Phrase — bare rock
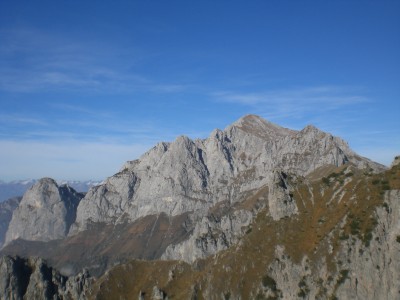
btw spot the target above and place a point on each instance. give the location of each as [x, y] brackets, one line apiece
[45, 213]
[280, 199]
[32, 278]
[188, 175]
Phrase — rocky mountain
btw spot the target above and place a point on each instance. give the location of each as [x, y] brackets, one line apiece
[45, 213]
[17, 188]
[253, 211]
[188, 175]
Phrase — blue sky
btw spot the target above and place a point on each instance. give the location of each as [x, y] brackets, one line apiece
[87, 85]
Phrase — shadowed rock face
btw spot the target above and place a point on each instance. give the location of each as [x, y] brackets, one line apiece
[45, 213]
[6, 210]
[33, 279]
[101, 246]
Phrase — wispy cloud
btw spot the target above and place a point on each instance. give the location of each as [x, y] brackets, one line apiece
[20, 119]
[32, 60]
[62, 122]
[294, 102]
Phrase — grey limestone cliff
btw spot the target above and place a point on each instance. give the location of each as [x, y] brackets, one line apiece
[188, 175]
[45, 213]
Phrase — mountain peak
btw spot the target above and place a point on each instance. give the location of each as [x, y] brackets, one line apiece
[260, 127]
[252, 119]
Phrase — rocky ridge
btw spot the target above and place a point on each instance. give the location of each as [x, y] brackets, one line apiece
[229, 166]
[194, 177]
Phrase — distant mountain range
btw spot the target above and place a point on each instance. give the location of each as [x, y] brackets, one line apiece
[17, 188]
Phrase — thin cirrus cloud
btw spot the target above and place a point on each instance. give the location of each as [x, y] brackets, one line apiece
[32, 60]
[59, 121]
[294, 102]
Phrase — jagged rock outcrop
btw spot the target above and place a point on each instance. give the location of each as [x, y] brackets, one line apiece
[6, 210]
[45, 213]
[210, 235]
[188, 175]
[33, 279]
[280, 201]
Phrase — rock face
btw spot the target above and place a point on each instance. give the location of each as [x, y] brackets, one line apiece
[45, 213]
[188, 175]
[33, 279]
[374, 271]
[193, 176]
[6, 210]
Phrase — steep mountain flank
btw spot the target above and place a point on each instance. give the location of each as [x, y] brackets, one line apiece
[45, 213]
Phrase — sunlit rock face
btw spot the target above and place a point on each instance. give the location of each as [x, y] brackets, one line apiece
[192, 175]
